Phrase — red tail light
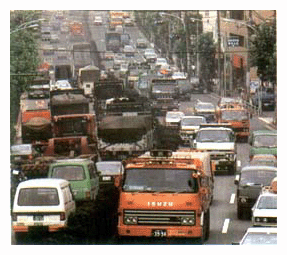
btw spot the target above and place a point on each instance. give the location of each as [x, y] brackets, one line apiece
[62, 216]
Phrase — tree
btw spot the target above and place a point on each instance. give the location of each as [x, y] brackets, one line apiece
[207, 51]
[263, 51]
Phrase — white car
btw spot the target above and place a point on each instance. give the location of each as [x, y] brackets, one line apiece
[149, 51]
[129, 50]
[173, 117]
[160, 62]
[98, 20]
[259, 236]
[264, 211]
[45, 203]
[178, 76]
[63, 84]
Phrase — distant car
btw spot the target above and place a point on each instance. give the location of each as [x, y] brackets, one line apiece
[54, 38]
[98, 20]
[264, 212]
[174, 118]
[149, 51]
[267, 99]
[151, 58]
[119, 29]
[249, 182]
[63, 84]
[160, 61]
[109, 55]
[259, 236]
[141, 43]
[129, 22]
[109, 171]
[206, 110]
[189, 126]
[124, 69]
[178, 75]
[129, 50]
[263, 160]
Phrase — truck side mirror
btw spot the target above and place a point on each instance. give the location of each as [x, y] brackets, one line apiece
[118, 181]
[236, 180]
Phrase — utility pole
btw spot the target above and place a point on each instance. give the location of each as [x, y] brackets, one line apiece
[219, 52]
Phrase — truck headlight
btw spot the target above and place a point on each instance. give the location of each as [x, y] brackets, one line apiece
[130, 220]
[187, 221]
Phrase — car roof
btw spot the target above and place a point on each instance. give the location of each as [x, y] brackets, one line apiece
[249, 167]
[72, 160]
[108, 162]
[43, 182]
[261, 230]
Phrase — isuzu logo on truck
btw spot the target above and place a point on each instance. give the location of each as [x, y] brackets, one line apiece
[160, 203]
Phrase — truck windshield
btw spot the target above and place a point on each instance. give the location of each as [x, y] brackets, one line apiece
[265, 141]
[234, 115]
[38, 197]
[214, 136]
[159, 180]
[69, 173]
[257, 177]
[192, 121]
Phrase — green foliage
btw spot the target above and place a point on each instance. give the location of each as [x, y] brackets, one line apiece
[207, 51]
[263, 51]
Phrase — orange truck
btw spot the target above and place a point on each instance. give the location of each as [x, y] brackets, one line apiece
[238, 117]
[166, 194]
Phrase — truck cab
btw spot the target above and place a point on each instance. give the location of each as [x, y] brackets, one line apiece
[166, 194]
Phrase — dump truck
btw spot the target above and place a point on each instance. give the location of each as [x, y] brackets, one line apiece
[74, 128]
[88, 76]
[113, 41]
[35, 114]
[165, 194]
[126, 129]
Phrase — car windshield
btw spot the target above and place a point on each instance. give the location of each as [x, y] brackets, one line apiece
[38, 197]
[257, 177]
[214, 136]
[160, 180]
[265, 141]
[69, 173]
[260, 238]
[234, 115]
[173, 115]
[267, 202]
[205, 107]
[109, 167]
[192, 121]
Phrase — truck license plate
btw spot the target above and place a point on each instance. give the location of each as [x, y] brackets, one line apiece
[159, 233]
[38, 218]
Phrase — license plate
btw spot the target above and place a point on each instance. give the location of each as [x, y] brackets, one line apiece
[107, 178]
[159, 233]
[38, 218]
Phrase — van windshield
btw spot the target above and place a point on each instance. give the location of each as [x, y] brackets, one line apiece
[69, 173]
[160, 180]
[38, 197]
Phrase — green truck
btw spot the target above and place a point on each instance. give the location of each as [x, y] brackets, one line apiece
[263, 142]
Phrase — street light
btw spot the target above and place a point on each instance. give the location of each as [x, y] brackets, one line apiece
[186, 38]
[24, 25]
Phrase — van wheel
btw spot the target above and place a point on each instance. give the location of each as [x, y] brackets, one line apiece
[206, 225]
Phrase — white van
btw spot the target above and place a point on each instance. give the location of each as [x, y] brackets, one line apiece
[43, 203]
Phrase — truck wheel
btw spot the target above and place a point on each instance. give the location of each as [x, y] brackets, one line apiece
[232, 169]
[240, 212]
[207, 225]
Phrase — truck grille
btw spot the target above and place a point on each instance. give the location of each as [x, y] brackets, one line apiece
[151, 217]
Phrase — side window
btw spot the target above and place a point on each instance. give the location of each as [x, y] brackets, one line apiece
[92, 171]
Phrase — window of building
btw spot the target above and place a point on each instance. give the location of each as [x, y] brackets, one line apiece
[240, 37]
[239, 15]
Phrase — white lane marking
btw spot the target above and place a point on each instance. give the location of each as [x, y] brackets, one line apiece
[232, 198]
[225, 226]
